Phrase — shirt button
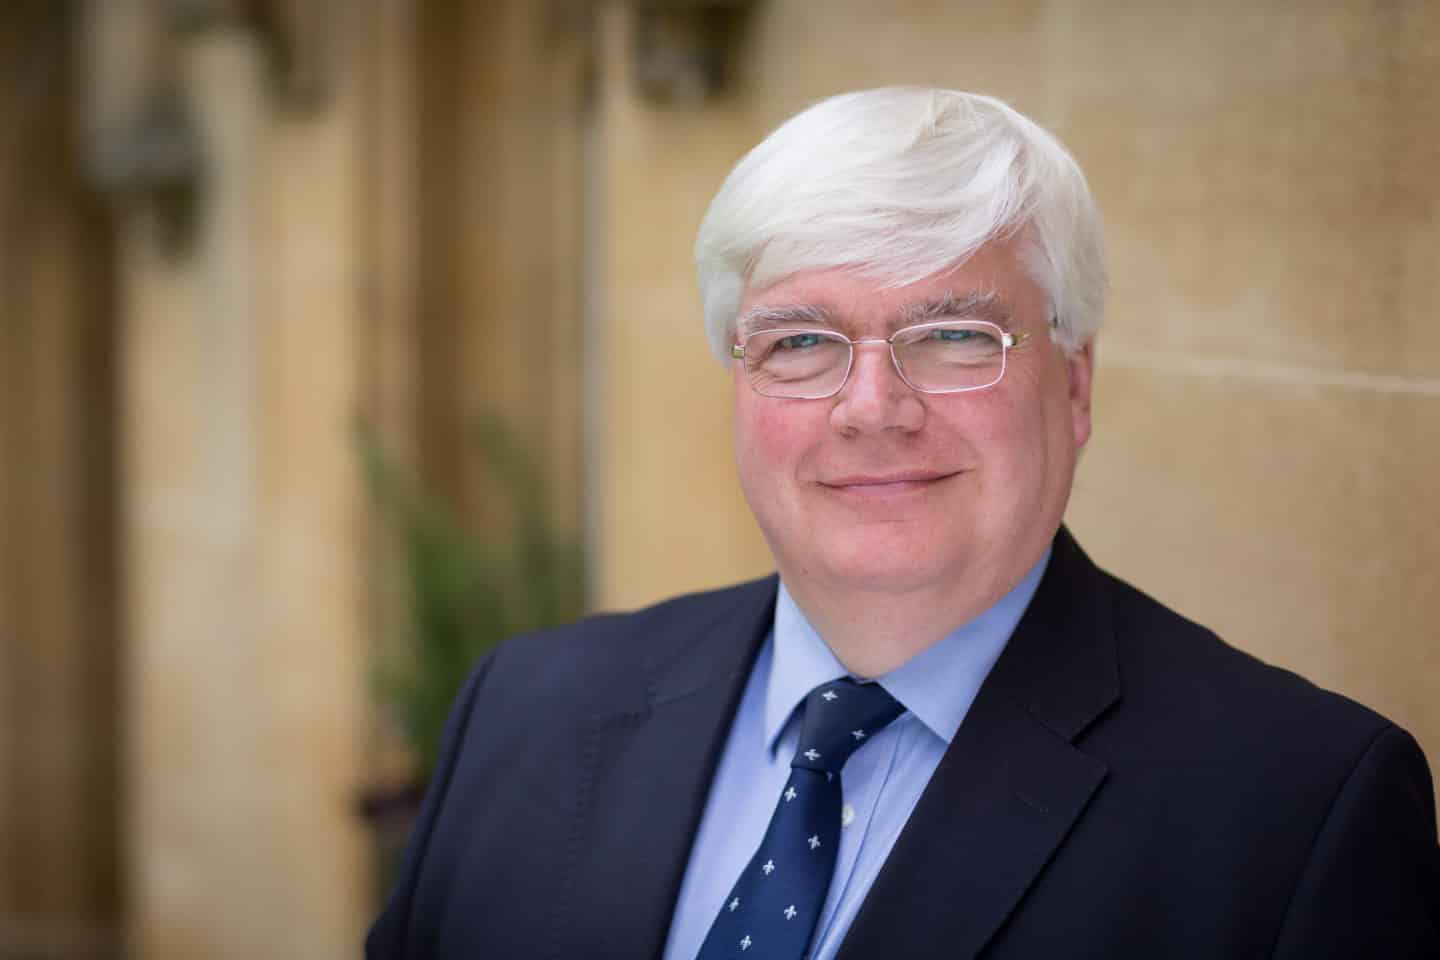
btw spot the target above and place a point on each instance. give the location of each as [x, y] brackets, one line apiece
[847, 815]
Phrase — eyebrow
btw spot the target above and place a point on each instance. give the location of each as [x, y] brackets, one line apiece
[980, 305]
[775, 318]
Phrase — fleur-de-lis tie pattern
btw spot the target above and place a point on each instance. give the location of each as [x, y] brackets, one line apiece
[772, 911]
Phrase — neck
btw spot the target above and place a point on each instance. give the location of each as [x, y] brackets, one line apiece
[873, 632]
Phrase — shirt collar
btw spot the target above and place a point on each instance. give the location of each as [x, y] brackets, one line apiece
[801, 662]
[937, 685]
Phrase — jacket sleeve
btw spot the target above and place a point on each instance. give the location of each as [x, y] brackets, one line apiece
[389, 937]
[1371, 885]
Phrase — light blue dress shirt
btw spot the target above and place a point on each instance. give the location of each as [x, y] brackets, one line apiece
[882, 781]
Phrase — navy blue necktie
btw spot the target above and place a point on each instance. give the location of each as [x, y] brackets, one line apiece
[772, 911]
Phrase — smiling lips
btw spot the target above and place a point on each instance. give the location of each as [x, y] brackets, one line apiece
[887, 484]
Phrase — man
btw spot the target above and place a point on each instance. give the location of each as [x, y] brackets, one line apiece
[942, 732]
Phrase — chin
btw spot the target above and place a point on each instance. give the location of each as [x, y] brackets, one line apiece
[889, 569]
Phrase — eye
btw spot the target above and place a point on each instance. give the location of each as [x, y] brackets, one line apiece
[953, 339]
[798, 341]
[954, 334]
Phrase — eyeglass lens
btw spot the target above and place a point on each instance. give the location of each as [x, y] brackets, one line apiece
[946, 357]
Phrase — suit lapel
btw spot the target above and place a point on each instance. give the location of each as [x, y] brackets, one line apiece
[1011, 785]
[648, 772]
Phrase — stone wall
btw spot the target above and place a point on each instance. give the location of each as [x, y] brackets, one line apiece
[60, 654]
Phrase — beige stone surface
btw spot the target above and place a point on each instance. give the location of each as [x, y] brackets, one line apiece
[496, 331]
[246, 678]
[407, 249]
[1286, 199]
[671, 516]
[59, 887]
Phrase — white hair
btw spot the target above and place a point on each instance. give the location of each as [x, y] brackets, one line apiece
[901, 183]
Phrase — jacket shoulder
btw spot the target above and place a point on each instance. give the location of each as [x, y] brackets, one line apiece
[1189, 680]
[563, 662]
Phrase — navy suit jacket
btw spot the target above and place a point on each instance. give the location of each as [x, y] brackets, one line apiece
[1125, 785]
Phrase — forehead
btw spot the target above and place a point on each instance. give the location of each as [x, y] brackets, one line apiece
[990, 285]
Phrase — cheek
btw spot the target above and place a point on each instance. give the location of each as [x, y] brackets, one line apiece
[1012, 432]
[1043, 409]
[775, 434]
[762, 439]
[769, 435]
[978, 426]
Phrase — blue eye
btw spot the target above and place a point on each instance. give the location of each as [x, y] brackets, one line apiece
[953, 334]
[798, 341]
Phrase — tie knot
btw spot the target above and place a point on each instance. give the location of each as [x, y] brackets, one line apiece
[839, 717]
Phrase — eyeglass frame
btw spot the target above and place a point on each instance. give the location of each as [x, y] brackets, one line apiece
[1008, 342]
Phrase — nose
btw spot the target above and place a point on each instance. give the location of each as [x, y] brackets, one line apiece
[874, 397]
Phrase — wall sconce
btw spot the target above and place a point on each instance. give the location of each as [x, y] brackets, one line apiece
[139, 141]
[682, 49]
[293, 33]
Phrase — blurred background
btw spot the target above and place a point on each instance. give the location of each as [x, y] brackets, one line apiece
[339, 336]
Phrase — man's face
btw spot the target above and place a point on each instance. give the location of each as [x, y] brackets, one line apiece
[884, 489]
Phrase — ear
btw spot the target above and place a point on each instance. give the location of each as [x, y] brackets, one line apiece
[1081, 365]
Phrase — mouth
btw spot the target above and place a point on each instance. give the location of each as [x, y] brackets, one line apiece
[888, 484]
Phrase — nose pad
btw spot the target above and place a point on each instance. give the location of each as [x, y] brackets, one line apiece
[874, 362]
[875, 396]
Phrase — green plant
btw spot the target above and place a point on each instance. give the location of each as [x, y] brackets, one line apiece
[465, 591]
